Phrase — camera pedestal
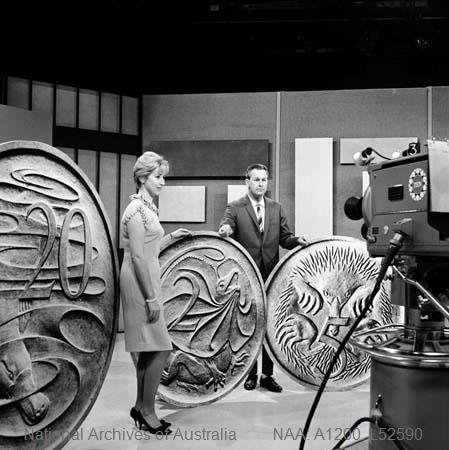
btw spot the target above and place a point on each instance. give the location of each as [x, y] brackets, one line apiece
[414, 402]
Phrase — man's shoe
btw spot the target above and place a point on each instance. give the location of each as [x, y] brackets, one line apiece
[250, 383]
[270, 384]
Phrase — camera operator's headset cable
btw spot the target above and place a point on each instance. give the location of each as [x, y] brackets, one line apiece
[395, 246]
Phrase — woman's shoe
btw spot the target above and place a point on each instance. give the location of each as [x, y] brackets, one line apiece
[143, 424]
[164, 422]
[134, 415]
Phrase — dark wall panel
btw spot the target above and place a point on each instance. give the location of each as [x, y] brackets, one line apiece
[211, 159]
[96, 140]
[348, 114]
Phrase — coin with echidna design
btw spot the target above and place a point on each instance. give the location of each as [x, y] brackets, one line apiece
[314, 295]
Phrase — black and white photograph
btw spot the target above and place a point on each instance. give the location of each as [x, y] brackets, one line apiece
[224, 225]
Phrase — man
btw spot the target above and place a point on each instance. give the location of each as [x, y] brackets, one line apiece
[260, 225]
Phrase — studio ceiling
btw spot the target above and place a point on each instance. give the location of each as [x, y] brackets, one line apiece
[230, 46]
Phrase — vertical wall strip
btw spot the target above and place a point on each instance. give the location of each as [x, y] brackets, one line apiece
[429, 113]
[99, 110]
[140, 124]
[119, 178]
[4, 89]
[97, 168]
[97, 153]
[77, 119]
[277, 148]
[54, 105]
[30, 94]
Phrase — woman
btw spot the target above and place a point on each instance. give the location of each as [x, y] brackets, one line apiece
[144, 325]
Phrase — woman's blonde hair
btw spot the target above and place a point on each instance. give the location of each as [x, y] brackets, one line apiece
[146, 163]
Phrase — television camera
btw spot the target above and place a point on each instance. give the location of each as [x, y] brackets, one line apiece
[407, 205]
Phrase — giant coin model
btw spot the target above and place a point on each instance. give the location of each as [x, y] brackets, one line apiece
[214, 305]
[58, 296]
[314, 295]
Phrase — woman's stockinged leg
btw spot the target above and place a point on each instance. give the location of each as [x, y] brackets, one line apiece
[155, 364]
[140, 372]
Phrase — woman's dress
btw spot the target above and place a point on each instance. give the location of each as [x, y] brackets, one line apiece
[140, 335]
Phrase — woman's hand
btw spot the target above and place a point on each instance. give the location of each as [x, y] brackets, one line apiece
[153, 310]
[180, 233]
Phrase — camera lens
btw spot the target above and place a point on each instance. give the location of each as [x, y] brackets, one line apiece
[353, 208]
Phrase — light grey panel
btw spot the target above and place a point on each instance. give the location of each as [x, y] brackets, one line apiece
[127, 186]
[88, 104]
[110, 112]
[65, 106]
[42, 97]
[18, 92]
[216, 201]
[313, 187]
[438, 169]
[236, 191]
[87, 160]
[182, 204]
[130, 115]
[440, 112]
[108, 187]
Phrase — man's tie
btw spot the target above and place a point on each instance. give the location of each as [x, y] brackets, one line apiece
[259, 217]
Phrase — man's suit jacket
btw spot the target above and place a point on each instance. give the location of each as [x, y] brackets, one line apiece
[263, 248]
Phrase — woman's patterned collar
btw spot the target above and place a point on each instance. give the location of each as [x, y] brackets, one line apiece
[146, 199]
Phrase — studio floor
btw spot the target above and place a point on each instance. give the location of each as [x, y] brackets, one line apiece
[243, 420]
